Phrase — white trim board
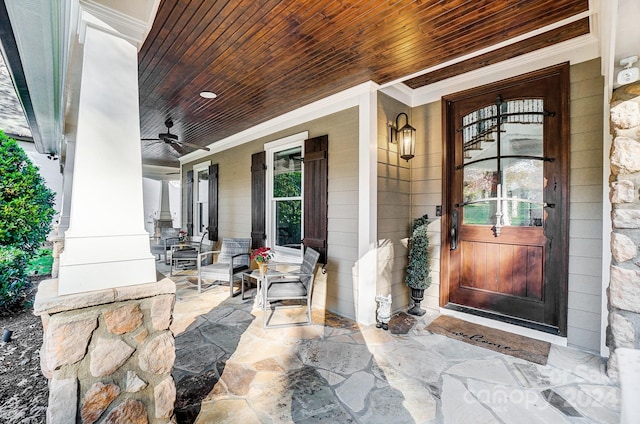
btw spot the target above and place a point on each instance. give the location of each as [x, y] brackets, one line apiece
[515, 329]
[281, 142]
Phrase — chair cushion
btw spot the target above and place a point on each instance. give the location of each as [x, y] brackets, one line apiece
[186, 253]
[285, 290]
[218, 271]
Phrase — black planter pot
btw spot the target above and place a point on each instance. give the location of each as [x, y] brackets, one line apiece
[417, 295]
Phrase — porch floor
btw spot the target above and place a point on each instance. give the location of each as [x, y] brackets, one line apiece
[229, 369]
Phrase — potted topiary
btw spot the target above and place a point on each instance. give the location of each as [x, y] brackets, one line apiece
[418, 271]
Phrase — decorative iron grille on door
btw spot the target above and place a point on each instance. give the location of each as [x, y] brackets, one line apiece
[503, 155]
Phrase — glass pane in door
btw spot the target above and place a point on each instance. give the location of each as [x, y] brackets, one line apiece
[522, 191]
[479, 191]
[522, 164]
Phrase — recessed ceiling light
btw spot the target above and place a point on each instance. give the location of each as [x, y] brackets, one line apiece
[208, 95]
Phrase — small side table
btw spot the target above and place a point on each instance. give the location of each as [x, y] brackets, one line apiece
[250, 275]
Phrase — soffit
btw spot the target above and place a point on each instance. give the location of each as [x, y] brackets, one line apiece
[267, 58]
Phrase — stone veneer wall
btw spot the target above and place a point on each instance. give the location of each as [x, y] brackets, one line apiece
[108, 354]
[624, 286]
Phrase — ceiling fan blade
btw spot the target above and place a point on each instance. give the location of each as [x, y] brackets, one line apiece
[195, 146]
[177, 148]
[172, 139]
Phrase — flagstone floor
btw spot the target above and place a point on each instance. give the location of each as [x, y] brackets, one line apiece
[229, 369]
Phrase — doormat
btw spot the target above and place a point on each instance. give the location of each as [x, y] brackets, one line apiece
[497, 340]
[401, 323]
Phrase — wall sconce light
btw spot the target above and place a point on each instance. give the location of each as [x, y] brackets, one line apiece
[405, 137]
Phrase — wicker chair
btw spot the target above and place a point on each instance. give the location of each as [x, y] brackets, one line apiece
[227, 264]
[185, 253]
[296, 285]
[160, 245]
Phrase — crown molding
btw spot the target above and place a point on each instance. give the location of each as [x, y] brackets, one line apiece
[96, 15]
[401, 92]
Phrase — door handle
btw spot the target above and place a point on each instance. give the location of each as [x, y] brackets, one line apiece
[453, 231]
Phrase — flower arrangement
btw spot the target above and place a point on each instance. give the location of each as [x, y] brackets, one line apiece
[182, 235]
[262, 255]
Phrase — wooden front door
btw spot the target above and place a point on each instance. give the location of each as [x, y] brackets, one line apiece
[505, 237]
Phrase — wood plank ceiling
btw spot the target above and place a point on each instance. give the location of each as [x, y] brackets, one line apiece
[265, 58]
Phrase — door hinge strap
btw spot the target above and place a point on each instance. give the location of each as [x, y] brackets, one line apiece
[545, 159]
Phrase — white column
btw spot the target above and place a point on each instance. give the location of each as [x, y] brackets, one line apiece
[368, 209]
[106, 244]
[164, 220]
[165, 209]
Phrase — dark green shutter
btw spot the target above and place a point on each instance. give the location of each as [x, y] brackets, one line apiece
[189, 188]
[316, 172]
[213, 202]
[258, 194]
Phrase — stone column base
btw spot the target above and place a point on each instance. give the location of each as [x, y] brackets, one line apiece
[108, 354]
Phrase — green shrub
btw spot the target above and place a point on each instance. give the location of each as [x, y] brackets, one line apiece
[13, 281]
[26, 210]
[419, 270]
[26, 203]
[41, 263]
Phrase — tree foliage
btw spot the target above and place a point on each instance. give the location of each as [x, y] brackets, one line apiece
[419, 270]
[287, 185]
[26, 203]
[13, 281]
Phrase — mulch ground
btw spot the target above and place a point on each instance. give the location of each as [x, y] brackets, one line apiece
[23, 388]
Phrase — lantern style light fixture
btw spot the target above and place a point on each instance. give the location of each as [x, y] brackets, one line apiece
[405, 137]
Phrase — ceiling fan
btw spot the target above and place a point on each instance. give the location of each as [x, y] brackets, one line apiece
[172, 139]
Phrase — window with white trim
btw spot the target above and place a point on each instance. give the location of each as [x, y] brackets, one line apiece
[284, 214]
